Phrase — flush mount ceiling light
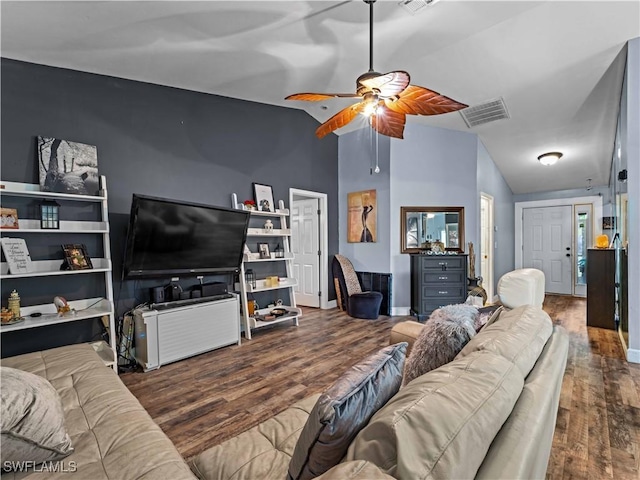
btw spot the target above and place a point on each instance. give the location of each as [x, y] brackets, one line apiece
[385, 99]
[549, 158]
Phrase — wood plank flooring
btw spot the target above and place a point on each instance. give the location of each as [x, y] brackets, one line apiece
[204, 400]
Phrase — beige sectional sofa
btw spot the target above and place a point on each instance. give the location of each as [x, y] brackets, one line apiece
[490, 413]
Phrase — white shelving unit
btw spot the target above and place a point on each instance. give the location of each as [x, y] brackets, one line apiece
[82, 309]
[283, 235]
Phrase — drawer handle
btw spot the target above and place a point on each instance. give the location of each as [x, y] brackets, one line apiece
[442, 292]
[442, 263]
[443, 278]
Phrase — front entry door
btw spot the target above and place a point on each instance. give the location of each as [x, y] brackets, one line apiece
[547, 243]
[305, 244]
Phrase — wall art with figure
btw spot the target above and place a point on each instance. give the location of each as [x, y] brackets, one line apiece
[362, 211]
[67, 167]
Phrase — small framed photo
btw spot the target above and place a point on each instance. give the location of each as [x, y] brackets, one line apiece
[8, 218]
[263, 195]
[263, 248]
[608, 223]
[76, 256]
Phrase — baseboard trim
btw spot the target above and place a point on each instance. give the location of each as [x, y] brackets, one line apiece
[331, 304]
[400, 311]
[633, 355]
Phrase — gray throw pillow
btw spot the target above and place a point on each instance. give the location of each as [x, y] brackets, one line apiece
[447, 330]
[344, 409]
[31, 420]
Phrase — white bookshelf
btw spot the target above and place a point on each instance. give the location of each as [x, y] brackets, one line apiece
[82, 309]
[288, 283]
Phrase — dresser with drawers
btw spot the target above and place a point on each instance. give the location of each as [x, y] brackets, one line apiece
[436, 281]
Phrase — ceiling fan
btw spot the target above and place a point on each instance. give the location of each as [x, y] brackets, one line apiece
[386, 99]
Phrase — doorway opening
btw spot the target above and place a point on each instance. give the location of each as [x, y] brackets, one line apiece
[309, 244]
[486, 243]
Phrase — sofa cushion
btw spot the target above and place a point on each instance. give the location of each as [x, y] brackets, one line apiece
[31, 419]
[443, 336]
[112, 434]
[512, 454]
[519, 335]
[343, 409]
[264, 451]
[442, 424]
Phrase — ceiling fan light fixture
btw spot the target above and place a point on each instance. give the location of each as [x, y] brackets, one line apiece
[549, 158]
[370, 104]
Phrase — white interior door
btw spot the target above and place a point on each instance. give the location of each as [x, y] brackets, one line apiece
[486, 243]
[547, 242]
[305, 245]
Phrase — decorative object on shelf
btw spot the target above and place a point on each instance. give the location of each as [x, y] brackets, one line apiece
[602, 241]
[76, 256]
[263, 195]
[437, 246]
[249, 204]
[67, 167]
[49, 215]
[384, 99]
[17, 255]
[263, 248]
[268, 226]
[362, 217]
[62, 306]
[8, 318]
[14, 303]
[250, 278]
[9, 218]
[279, 251]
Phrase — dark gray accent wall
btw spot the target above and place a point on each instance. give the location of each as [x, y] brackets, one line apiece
[159, 141]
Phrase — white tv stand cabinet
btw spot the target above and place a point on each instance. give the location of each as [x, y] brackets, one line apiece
[171, 334]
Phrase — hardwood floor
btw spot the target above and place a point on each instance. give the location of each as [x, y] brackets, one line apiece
[202, 401]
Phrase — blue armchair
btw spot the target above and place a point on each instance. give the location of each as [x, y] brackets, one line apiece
[358, 304]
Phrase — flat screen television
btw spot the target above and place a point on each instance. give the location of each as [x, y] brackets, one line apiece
[174, 238]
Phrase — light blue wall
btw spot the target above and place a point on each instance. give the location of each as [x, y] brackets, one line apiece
[631, 141]
[355, 153]
[491, 181]
[603, 191]
[430, 167]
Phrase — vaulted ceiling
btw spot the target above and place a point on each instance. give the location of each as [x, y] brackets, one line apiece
[558, 65]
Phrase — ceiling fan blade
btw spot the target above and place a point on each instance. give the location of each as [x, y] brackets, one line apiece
[340, 119]
[417, 100]
[388, 122]
[316, 97]
[389, 84]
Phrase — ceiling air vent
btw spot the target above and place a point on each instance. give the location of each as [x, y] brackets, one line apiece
[485, 112]
[414, 6]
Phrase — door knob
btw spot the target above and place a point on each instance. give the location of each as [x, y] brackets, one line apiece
[568, 254]
[568, 248]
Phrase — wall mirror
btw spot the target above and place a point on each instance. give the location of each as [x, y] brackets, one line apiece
[421, 227]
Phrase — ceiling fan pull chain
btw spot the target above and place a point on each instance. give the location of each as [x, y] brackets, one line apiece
[377, 169]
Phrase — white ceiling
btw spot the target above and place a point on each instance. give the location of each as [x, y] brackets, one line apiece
[557, 64]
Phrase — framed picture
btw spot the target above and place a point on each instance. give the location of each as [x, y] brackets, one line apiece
[263, 195]
[608, 223]
[76, 256]
[8, 218]
[362, 216]
[263, 249]
[67, 167]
